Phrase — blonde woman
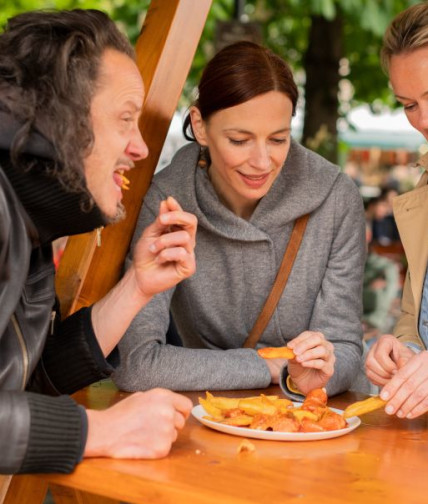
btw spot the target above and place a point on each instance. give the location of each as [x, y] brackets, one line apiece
[399, 363]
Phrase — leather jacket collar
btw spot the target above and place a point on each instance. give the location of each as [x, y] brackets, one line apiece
[53, 210]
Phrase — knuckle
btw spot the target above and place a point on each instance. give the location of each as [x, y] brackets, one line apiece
[420, 396]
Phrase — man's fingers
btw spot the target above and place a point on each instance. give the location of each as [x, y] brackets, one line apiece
[178, 218]
[174, 239]
[182, 404]
[172, 204]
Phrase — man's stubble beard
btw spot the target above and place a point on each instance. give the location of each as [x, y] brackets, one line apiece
[120, 214]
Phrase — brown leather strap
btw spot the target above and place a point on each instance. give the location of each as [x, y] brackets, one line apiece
[280, 281]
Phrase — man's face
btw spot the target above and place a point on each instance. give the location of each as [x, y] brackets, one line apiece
[115, 111]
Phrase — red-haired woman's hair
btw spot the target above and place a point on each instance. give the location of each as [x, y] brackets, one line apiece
[238, 73]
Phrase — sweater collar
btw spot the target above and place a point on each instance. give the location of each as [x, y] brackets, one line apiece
[304, 183]
[53, 210]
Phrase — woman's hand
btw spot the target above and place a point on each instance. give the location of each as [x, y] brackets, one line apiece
[403, 375]
[313, 365]
[385, 358]
[407, 391]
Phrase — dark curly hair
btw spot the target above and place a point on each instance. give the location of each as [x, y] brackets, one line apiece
[49, 64]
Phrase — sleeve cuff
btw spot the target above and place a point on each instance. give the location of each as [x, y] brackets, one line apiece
[55, 437]
[72, 356]
[289, 388]
[84, 431]
[414, 347]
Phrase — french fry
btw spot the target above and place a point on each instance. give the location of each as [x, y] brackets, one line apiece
[361, 407]
[226, 403]
[245, 446]
[300, 414]
[222, 403]
[276, 353]
[238, 421]
[212, 410]
[258, 405]
[282, 405]
[125, 182]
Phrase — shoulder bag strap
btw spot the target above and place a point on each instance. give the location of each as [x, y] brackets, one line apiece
[280, 281]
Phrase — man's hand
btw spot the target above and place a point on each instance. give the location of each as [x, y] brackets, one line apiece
[144, 425]
[313, 365]
[385, 358]
[164, 255]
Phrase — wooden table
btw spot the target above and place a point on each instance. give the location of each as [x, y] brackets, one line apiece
[385, 460]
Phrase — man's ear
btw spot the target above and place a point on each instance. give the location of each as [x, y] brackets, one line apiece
[198, 125]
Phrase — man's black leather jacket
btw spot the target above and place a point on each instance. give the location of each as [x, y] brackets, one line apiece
[41, 358]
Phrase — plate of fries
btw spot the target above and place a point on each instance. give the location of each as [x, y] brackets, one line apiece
[274, 418]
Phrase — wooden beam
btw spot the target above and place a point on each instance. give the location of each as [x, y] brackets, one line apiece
[25, 488]
[165, 51]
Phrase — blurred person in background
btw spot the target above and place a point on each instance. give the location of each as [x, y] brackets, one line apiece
[381, 287]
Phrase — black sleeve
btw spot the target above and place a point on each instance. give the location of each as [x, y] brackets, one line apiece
[72, 357]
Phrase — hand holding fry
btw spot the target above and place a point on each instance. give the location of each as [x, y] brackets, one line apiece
[407, 391]
[314, 360]
[164, 255]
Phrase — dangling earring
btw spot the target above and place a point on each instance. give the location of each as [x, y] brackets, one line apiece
[204, 157]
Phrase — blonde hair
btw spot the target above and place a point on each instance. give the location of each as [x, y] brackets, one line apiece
[407, 32]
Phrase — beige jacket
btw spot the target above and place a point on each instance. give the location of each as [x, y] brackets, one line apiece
[411, 215]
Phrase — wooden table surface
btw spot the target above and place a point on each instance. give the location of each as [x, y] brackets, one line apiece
[385, 460]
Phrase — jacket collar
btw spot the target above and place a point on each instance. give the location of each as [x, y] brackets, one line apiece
[53, 210]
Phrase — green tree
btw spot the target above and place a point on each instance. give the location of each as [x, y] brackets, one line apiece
[332, 45]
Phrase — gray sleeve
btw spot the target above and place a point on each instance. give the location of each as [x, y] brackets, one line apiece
[338, 308]
[147, 361]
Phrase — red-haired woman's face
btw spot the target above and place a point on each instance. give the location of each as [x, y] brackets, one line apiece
[248, 145]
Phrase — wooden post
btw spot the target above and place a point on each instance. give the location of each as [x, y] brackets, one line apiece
[165, 51]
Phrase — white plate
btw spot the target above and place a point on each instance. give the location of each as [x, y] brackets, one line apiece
[198, 412]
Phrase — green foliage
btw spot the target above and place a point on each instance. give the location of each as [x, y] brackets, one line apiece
[285, 26]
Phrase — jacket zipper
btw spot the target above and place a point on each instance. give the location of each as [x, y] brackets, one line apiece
[99, 231]
[23, 350]
[53, 315]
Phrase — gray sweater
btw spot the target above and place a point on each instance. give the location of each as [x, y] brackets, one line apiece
[237, 261]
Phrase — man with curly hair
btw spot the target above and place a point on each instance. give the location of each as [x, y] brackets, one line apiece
[70, 101]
